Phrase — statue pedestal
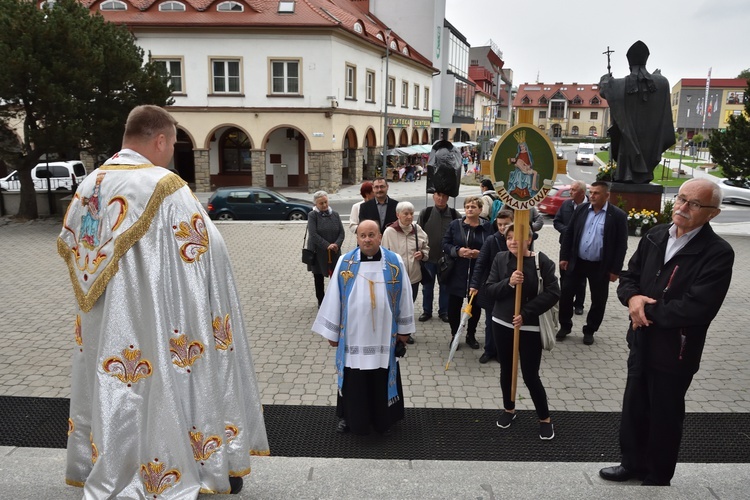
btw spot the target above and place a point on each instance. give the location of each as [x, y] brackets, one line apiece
[637, 196]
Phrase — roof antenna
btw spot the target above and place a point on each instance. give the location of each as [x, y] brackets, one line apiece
[537, 76]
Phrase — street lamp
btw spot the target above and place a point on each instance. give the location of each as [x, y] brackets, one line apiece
[385, 100]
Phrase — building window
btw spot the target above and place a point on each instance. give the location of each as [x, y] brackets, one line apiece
[226, 75]
[574, 130]
[557, 109]
[525, 100]
[230, 7]
[577, 100]
[172, 7]
[285, 78]
[592, 131]
[464, 100]
[543, 114]
[351, 82]
[595, 101]
[404, 94]
[286, 6]
[370, 86]
[416, 96]
[358, 28]
[458, 56]
[113, 5]
[391, 91]
[543, 101]
[426, 98]
[576, 115]
[234, 147]
[173, 69]
[594, 115]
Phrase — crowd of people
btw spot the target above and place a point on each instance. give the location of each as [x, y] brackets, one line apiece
[189, 350]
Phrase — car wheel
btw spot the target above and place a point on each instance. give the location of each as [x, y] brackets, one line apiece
[297, 215]
[225, 216]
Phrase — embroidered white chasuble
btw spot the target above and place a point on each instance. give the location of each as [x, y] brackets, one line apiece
[164, 400]
[369, 328]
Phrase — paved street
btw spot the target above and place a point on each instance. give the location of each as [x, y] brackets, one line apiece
[295, 367]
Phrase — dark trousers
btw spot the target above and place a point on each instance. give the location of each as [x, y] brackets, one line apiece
[598, 286]
[653, 410]
[455, 304]
[319, 289]
[489, 338]
[530, 359]
[414, 291]
[580, 292]
[365, 400]
[429, 277]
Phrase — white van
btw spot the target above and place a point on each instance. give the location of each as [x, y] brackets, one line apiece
[585, 154]
[62, 175]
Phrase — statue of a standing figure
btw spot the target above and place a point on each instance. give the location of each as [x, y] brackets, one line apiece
[642, 127]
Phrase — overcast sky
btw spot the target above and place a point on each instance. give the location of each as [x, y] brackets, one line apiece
[563, 40]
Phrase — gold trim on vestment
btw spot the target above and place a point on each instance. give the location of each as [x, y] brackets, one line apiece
[260, 453]
[239, 473]
[126, 167]
[77, 484]
[166, 186]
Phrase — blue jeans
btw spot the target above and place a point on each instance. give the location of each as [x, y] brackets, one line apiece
[428, 291]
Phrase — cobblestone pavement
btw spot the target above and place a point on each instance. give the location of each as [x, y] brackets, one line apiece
[295, 366]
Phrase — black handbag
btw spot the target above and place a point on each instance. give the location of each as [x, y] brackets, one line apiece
[308, 256]
[447, 262]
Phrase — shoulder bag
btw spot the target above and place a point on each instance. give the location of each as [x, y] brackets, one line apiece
[548, 323]
[447, 262]
[308, 256]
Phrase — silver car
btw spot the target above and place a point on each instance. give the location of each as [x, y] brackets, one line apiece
[735, 190]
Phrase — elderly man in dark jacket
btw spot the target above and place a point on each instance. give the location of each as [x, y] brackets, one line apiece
[674, 286]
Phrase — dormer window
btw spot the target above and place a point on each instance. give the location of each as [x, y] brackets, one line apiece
[286, 7]
[595, 100]
[526, 100]
[230, 7]
[394, 46]
[405, 51]
[543, 100]
[577, 100]
[111, 5]
[358, 28]
[380, 36]
[172, 6]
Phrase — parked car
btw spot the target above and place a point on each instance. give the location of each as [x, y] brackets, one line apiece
[604, 147]
[735, 190]
[554, 199]
[62, 175]
[585, 154]
[255, 203]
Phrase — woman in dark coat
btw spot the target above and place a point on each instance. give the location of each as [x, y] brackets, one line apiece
[325, 234]
[501, 285]
[463, 241]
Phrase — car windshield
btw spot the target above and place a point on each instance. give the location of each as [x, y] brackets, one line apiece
[586, 151]
[552, 192]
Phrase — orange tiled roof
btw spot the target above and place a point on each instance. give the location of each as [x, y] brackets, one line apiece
[340, 14]
[535, 91]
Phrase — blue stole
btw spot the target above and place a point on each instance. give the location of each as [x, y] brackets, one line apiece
[392, 278]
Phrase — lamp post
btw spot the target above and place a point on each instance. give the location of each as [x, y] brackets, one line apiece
[385, 101]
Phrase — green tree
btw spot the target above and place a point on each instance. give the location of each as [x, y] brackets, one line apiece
[730, 148]
[744, 74]
[69, 78]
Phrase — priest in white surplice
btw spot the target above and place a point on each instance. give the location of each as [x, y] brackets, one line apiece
[164, 401]
[367, 311]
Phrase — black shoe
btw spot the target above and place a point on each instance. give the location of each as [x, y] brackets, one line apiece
[342, 428]
[562, 333]
[235, 485]
[484, 358]
[579, 311]
[588, 338]
[506, 418]
[472, 342]
[410, 340]
[546, 431]
[425, 316]
[617, 473]
[444, 317]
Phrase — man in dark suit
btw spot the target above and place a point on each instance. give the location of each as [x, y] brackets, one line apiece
[593, 249]
[562, 219]
[673, 287]
[381, 209]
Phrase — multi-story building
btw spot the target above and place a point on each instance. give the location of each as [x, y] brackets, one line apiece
[565, 109]
[281, 93]
[492, 108]
[700, 108]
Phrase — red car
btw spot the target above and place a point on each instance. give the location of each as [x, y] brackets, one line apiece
[554, 199]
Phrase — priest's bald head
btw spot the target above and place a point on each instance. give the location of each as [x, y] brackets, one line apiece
[368, 237]
[151, 131]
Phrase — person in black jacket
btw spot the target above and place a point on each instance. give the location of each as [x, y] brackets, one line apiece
[673, 287]
[593, 249]
[381, 209]
[561, 221]
[501, 284]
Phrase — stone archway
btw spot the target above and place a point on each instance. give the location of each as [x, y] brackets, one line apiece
[285, 162]
[403, 139]
[184, 159]
[372, 153]
[351, 159]
[414, 137]
[231, 149]
[556, 130]
[425, 137]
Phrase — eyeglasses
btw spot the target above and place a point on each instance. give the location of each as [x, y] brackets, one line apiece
[694, 205]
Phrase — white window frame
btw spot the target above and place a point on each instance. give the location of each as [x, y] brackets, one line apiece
[416, 96]
[370, 86]
[172, 6]
[227, 77]
[230, 6]
[285, 78]
[426, 98]
[350, 86]
[391, 91]
[167, 61]
[113, 6]
[286, 7]
[404, 94]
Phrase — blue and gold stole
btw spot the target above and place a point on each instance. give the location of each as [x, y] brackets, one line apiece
[393, 280]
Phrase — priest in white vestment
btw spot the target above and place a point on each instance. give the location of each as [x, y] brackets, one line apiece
[367, 312]
[164, 400]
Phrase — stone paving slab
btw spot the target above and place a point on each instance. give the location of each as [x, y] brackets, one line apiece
[295, 366]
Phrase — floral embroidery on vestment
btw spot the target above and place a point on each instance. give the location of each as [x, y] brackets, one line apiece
[195, 236]
[130, 368]
[155, 479]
